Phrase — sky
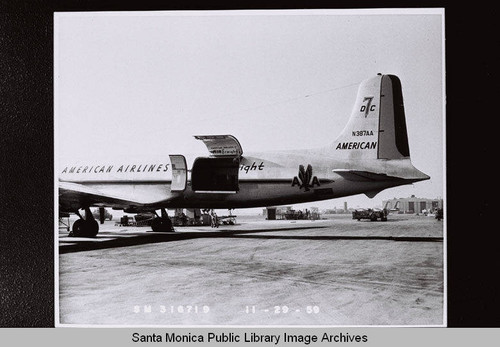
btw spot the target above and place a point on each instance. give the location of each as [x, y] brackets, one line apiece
[135, 84]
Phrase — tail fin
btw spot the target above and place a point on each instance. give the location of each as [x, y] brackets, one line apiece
[377, 127]
[374, 143]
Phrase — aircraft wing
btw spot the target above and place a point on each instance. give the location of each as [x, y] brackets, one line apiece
[364, 176]
[74, 195]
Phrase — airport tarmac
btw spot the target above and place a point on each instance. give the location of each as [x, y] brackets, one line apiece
[331, 272]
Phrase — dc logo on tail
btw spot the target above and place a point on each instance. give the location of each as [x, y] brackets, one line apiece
[368, 107]
[305, 180]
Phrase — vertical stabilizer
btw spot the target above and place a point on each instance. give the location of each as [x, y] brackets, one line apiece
[377, 126]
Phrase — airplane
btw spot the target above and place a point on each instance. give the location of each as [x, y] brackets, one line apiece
[370, 154]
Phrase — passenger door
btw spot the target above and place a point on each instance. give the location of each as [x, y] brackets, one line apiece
[179, 173]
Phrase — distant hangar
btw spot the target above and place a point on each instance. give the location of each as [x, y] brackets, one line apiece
[413, 204]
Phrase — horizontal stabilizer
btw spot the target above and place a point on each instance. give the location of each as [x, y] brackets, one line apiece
[364, 176]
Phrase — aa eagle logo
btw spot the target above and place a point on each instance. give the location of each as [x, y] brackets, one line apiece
[305, 178]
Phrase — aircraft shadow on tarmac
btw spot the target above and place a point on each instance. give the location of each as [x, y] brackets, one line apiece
[150, 238]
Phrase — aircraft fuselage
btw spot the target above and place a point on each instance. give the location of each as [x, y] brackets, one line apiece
[262, 179]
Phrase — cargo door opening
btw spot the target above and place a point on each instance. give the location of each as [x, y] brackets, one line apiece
[215, 175]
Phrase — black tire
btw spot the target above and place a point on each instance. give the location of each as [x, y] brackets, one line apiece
[168, 225]
[93, 228]
[77, 229]
[156, 225]
[84, 228]
[161, 225]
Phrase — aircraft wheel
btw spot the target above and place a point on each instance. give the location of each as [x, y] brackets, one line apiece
[77, 228]
[83, 228]
[156, 225]
[92, 228]
[161, 225]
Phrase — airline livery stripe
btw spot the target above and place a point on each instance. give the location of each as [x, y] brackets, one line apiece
[243, 180]
[120, 182]
[279, 180]
[215, 191]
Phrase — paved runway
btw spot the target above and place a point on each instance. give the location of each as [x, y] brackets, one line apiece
[331, 272]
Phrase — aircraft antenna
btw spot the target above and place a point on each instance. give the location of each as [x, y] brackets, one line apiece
[288, 100]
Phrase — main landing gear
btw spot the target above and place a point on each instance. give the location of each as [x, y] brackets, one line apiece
[163, 223]
[85, 227]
